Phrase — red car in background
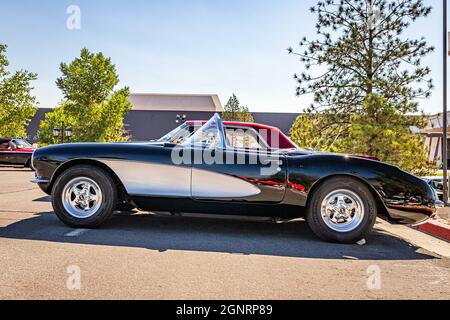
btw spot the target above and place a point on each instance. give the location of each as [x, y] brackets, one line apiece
[15, 153]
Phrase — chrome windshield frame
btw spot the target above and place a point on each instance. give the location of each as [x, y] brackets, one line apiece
[220, 131]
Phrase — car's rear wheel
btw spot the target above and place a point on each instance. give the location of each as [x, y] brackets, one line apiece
[342, 209]
[84, 196]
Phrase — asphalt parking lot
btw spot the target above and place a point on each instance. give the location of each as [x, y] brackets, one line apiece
[154, 256]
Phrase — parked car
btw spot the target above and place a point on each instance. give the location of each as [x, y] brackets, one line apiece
[437, 184]
[339, 195]
[15, 153]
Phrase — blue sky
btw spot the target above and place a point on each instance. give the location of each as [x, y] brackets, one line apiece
[190, 46]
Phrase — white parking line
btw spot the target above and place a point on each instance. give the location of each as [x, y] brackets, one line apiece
[76, 232]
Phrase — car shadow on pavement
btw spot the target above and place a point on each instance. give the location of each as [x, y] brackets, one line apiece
[162, 233]
[43, 199]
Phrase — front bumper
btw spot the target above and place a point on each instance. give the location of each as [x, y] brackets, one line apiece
[43, 183]
[440, 208]
[40, 180]
[414, 214]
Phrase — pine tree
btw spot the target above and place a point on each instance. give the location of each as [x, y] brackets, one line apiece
[234, 111]
[362, 68]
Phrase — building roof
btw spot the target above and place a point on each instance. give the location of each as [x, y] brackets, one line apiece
[434, 125]
[176, 102]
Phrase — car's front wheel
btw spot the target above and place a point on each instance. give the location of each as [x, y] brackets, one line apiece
[342, 209]
[84, 196]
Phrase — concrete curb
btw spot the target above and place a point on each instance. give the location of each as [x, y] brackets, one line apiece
[436, 228]
[416, 238]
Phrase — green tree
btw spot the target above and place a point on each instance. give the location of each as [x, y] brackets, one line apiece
[388, 136]
[54, 119]
[17, 105]
[91, 106]
[365, 74]
[234, 111]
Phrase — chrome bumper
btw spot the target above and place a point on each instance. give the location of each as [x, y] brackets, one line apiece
[439, 204]
[40, 180]
[414, 214]
[440, 208]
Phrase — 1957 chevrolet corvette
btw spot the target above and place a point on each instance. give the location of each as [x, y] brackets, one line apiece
[230, 169]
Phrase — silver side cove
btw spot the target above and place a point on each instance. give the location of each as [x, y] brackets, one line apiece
[151, 179]
[208, 184]
[142, 178]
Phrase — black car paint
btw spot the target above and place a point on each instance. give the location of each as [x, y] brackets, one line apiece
[14, 158]
[402, 197]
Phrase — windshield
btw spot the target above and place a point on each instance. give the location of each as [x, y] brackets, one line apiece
[210, 134]
[179, 134]
[20, 143]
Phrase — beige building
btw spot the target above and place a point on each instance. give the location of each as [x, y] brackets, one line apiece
[154, 114]
[176, 102]
[433, 133]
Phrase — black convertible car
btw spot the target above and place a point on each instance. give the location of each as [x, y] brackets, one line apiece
[339, 195]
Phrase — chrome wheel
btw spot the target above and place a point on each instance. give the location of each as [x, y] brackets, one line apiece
[342, 210]
[81, 197]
